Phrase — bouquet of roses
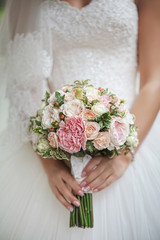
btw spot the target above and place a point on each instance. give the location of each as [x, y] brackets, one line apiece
[78, 122]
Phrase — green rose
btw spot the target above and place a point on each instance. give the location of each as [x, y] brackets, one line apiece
[43, 145]
[79, 93]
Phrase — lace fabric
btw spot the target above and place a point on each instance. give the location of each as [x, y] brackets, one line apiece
[98, 42]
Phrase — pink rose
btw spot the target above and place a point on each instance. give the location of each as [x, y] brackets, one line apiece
[105, 100]
[102, 140]
[53, 140]
[119, 131]
[92, 130]
[71, 135]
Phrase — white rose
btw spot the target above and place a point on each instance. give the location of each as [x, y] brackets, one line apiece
[49, 115]
[132, 141]
[73, 108]
[91, 93]
[119, 130]
[99, 108]
[43, 145]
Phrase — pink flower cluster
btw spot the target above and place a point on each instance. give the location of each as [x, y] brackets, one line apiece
[72, 135]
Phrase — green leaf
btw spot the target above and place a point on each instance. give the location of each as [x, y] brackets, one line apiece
[101, 124]
[40, 130]
[79, 154]
[59, 99]
[89, 146]
[38, 123]
[47, 95]
[94, 102]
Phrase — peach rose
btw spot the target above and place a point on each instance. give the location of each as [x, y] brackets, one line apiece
[69, 96]
[53, 140]
[102, 140]
[73, 108]
[92, 130]
[89, 115]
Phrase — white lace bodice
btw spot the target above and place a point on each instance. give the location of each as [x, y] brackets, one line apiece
[98, 42]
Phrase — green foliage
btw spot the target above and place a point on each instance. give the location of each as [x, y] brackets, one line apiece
[82, 84]
[94, 102]
[40, 130]
[104, 120]
[59, 99]
[47, 96]
[90, 147]
[55, 124]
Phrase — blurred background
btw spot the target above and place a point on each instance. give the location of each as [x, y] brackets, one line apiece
[2, 3]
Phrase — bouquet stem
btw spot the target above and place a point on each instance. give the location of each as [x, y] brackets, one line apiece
[82, 216]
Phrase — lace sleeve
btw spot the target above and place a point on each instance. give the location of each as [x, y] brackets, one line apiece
[28, 68]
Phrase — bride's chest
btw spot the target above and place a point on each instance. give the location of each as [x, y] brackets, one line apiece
[101, 23]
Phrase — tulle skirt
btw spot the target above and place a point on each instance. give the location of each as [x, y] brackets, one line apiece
[127, 209]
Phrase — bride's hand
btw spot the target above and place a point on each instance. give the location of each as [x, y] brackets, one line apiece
[101, 171]
[58, 176]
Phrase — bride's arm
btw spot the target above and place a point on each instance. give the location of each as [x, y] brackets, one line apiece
[147, 103]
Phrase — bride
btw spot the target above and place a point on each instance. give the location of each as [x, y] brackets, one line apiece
[45, 44]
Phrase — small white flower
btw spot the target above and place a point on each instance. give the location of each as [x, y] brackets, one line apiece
[49, 115]
[73, 108]
[99, 108]
[132, 141]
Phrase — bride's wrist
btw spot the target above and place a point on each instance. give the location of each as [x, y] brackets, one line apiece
[127, 156]
[48, 164]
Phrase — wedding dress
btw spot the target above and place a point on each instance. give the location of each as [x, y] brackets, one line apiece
[98, 42]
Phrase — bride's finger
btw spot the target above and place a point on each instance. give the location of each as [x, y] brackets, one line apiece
[67, 194]
[98, 180]
[105, 184]
[92, 164]
[93, 175]
[73, 184]
[60, 198]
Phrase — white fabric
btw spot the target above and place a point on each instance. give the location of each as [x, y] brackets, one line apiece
[98, 42]
[77, 166]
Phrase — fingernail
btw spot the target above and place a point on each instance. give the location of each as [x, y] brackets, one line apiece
[80, 193]
[70, 208]
[76, 203]
[83, 174]
[82, 184]
[95, 190]
[86, 189]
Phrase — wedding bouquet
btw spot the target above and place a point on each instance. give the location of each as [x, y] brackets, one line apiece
[76, 123]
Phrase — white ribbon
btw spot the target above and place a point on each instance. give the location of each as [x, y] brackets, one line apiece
[77, 166]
